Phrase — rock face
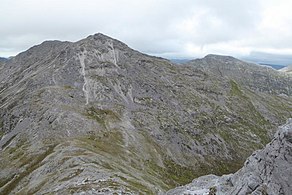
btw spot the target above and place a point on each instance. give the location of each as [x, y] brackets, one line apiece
[96, 116]
[266, 171]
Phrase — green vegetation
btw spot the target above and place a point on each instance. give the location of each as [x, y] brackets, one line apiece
[135, 186]
[1, 133]
[31, 162]
[111, 146]
[103, 117]
[172, 173]
[67, 87]
[235, 90]
[108, 142]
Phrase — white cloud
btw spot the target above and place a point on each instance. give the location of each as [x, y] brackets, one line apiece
[169, 28]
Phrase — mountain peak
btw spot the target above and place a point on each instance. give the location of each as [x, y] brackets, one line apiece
[100, 35]
[219, 57]
[100, 40]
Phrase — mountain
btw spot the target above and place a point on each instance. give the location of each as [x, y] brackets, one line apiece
[274, 66]
[2, 60]
[96, 116]
[179, 61]
[266, 171]
[252, 76]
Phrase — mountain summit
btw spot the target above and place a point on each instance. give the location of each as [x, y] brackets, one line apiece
[98, 117]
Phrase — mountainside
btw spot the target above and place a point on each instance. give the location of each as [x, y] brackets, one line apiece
[266, 171]
[96, 116]
[287, 69]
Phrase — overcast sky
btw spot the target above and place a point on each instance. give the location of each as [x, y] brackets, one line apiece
[167, 28]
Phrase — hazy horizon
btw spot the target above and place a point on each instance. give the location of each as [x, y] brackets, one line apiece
[254, 57]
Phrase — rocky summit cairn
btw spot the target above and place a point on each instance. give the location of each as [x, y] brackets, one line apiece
[266, 171]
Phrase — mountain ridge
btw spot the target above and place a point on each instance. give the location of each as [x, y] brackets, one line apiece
[96, 114]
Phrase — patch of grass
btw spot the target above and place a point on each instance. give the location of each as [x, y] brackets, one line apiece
[102, 116]
[135, 186]
[170, 174]
[33, 162]
[235, 90]
[220, 166]
[110, 142]
[1, 134]
[67, 87]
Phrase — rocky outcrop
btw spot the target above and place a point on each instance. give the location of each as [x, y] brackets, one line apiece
[96, 116]
[267, 171]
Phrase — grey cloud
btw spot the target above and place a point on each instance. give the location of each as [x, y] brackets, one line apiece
[269, 58]
[159, 27]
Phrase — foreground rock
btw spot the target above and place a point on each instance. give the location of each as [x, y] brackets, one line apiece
[267, 171]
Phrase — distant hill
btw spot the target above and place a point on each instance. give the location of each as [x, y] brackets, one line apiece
[275, 66]
[3, 59]
[180, 61]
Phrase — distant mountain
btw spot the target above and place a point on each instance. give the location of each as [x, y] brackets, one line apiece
[253, 76]
[97, 117]
[3, 59]
[180, 61]
[275, 66]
